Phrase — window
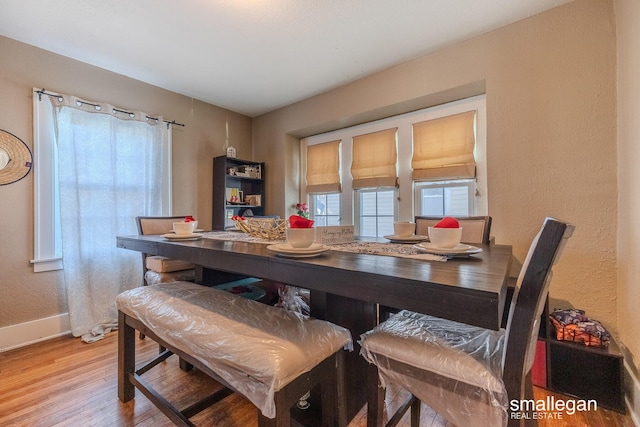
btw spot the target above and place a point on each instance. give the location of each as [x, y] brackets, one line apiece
[421, 188]
[376, 212]
[323, 182]
[445, 198]
[374, 176]
[325, 209]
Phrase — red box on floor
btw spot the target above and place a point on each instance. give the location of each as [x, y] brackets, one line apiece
[539, 369]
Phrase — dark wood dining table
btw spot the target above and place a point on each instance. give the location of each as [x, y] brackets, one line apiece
[347, 288]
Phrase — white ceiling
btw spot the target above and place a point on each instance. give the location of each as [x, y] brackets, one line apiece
[253, 56]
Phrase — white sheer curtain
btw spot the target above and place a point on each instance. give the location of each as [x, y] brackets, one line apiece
[112, 167]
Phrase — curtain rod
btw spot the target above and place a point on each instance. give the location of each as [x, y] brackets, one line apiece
[43, 91]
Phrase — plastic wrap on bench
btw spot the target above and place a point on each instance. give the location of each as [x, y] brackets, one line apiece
[255, 348]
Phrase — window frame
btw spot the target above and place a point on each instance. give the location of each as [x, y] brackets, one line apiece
[358, 193]
[312, 206]
[418, 186]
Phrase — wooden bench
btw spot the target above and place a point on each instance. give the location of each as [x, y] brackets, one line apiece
[267, 354]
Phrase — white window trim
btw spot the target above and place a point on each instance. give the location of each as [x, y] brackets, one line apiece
[47, 245]
[405, 150]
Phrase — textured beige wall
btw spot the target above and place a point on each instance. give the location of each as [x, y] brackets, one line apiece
[627, 17]
[551, 134]
[27, 296]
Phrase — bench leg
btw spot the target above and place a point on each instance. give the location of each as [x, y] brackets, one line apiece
[340, 390]
[126, 358]
[332, 392]
[375, 398]
[184, 365]
[415, 412]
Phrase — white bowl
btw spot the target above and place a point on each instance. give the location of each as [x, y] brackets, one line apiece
[301, 237]
[404, 228]
[183, 228]
[445, 238]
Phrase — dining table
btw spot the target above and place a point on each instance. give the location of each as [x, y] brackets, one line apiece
[349, 288]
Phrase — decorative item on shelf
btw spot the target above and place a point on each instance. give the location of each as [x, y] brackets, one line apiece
[234, 196]
[263, 228]
[246, 212]
[249, 171]
[253, 199]
[573, 325]
[231, 152]
[302, 209]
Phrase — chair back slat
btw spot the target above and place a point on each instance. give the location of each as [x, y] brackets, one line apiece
[475, 229]
[156, 224]
[528, 302]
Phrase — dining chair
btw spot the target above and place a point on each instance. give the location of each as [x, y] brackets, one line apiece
[158, 269]
[475, 229]
[465, 373]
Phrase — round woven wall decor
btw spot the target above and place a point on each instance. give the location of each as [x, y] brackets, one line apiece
[15, 158]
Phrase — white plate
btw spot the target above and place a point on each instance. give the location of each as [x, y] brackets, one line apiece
[285, 247]
[173, 236]
[197, 230]
[289, 251]
[406, 239]
[460, 250]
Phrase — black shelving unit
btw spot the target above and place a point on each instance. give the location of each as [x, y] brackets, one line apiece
[585, 372]
[237, 177]
[575, 369]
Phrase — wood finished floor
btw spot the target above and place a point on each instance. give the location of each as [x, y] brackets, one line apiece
[64, 382]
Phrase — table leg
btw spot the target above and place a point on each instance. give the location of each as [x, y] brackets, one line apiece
[358, 317]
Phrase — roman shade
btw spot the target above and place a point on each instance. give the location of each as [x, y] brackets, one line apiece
[323, 168]
[443, 147]
[374, 159]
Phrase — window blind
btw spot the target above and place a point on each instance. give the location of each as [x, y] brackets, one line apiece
[374, 159]
[443, 148]
[323, 168]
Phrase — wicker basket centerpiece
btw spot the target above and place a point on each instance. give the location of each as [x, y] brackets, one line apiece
[262, 228]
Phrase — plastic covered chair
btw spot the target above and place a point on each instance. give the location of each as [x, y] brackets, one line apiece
[475, 229]
[465, 373]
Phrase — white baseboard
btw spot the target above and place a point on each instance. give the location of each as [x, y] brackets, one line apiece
[23, 334]
[632, 394]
